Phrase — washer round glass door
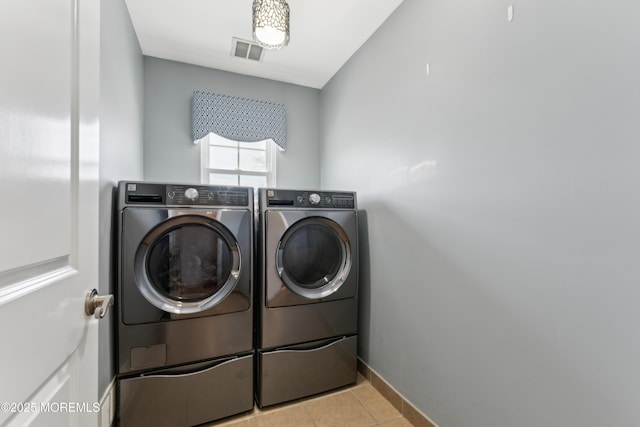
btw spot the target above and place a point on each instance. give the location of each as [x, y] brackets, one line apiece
[313, 257]
[187, 264]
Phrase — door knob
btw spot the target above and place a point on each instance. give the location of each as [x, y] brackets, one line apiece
[97, 305]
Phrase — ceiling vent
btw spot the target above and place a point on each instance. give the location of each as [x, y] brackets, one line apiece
[246, 49]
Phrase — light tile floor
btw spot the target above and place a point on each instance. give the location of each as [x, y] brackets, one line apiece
[360, 405]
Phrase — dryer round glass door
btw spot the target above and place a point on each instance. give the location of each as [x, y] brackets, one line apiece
[313, 257]
[187, 264]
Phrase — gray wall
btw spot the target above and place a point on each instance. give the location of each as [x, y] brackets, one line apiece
[120, 147]
[501, 194]
[171, 155]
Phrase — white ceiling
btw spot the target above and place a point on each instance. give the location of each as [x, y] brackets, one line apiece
[324, 35]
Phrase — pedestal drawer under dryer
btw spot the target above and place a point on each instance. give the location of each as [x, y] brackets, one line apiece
[305, 369]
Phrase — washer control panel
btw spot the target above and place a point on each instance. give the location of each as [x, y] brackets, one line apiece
[207, 195]
[310, 199]
[142, 193]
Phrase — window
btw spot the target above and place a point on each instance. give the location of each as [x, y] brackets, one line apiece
[227, 162]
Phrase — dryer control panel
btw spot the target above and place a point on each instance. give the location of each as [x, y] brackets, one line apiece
[310, 199]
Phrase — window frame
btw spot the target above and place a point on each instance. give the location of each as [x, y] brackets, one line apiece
[206, 169]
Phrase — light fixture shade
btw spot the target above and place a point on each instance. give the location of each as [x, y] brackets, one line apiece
[271, 23]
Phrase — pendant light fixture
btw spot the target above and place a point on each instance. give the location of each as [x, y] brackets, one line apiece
[271, 23]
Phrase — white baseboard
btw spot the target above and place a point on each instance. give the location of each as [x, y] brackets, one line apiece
[108, 406]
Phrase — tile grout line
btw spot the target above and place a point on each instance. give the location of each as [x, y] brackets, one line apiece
[407, 410]
[363, 404]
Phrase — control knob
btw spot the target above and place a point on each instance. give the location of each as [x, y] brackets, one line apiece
[191, 193]
[314, 198]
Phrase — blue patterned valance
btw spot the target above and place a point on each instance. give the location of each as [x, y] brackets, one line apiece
[238, 119]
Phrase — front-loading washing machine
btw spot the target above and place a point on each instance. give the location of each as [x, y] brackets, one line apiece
[307, 296]
[185, 304]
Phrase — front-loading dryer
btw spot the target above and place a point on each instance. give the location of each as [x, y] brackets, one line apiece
[308, 293]
[184, 303]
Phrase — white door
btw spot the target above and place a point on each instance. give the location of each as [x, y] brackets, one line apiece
[49, 93]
